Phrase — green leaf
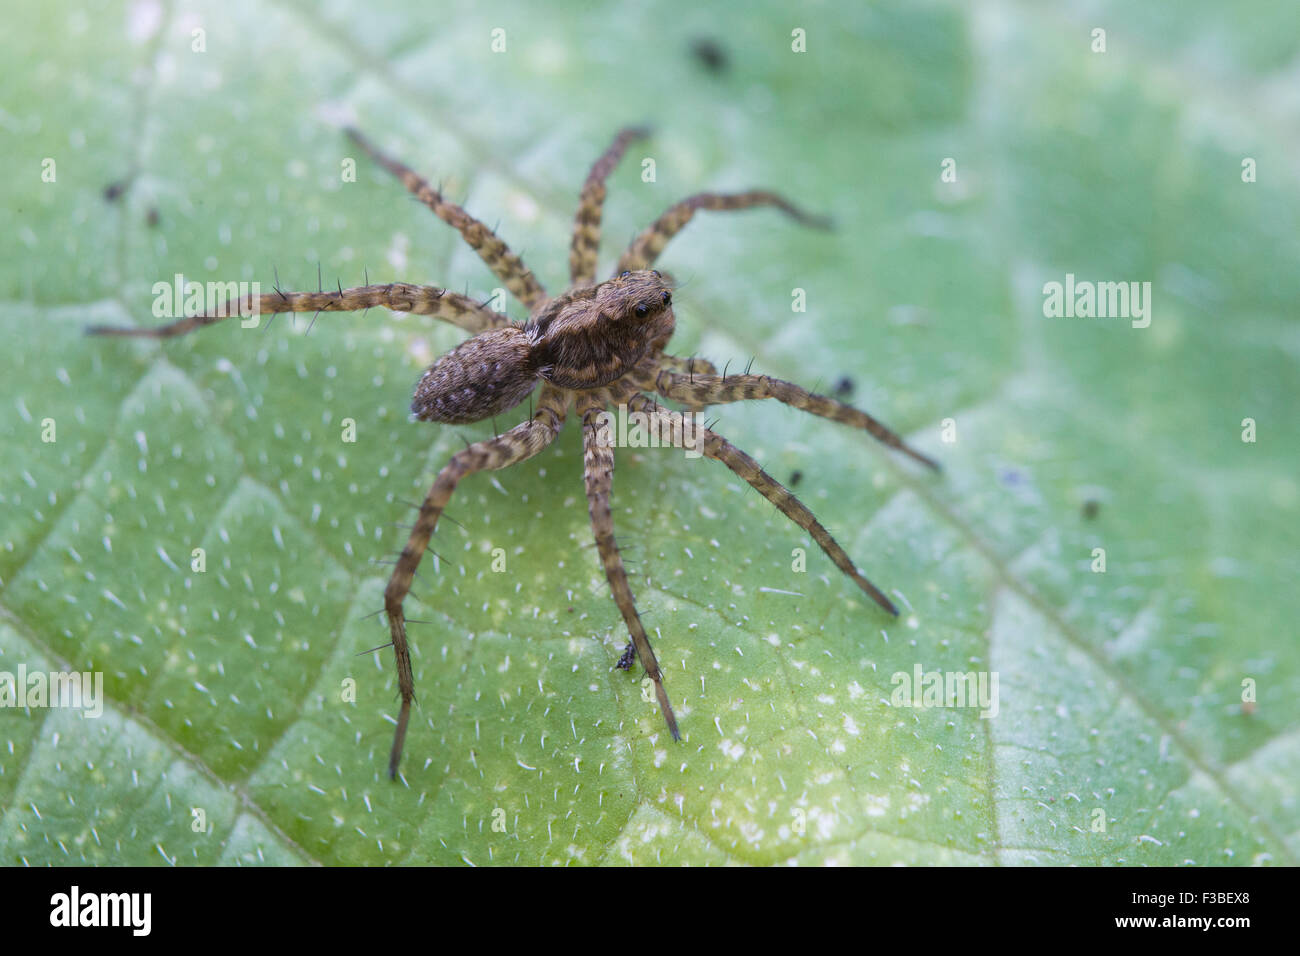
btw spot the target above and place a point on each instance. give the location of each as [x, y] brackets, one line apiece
[1121, 735]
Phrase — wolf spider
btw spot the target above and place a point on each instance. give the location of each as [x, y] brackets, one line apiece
[595, 345]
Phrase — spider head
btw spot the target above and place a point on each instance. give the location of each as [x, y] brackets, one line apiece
[635, 296]
[592, 336]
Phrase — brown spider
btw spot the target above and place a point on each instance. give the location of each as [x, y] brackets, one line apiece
[595, 345]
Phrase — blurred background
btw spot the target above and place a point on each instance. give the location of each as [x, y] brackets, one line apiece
[969, 153]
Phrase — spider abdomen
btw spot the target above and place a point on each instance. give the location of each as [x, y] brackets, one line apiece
[484, 376]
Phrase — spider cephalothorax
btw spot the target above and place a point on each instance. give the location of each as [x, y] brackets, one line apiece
[596, 345]
[591, 336]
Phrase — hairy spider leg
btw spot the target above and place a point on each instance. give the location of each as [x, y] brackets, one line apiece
[518, 444]
[671, 423]
[598, 474]
[699, 391]
[398, 296]
[507, 266]
[645, 248]
[591, 201]
[691, 365]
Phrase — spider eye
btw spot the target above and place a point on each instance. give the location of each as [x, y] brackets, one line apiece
[641, 311]
[655, 273]
[668, 298]
[624, 275]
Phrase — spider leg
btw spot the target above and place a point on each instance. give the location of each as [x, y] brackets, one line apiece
[519, 443]
[683, 434]
[699, 391]
[398, 296]
[586, 224]
[692, 366]
[646, 247]
[507, 266]
[598, 473]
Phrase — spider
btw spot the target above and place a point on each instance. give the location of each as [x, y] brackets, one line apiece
[596, 345]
